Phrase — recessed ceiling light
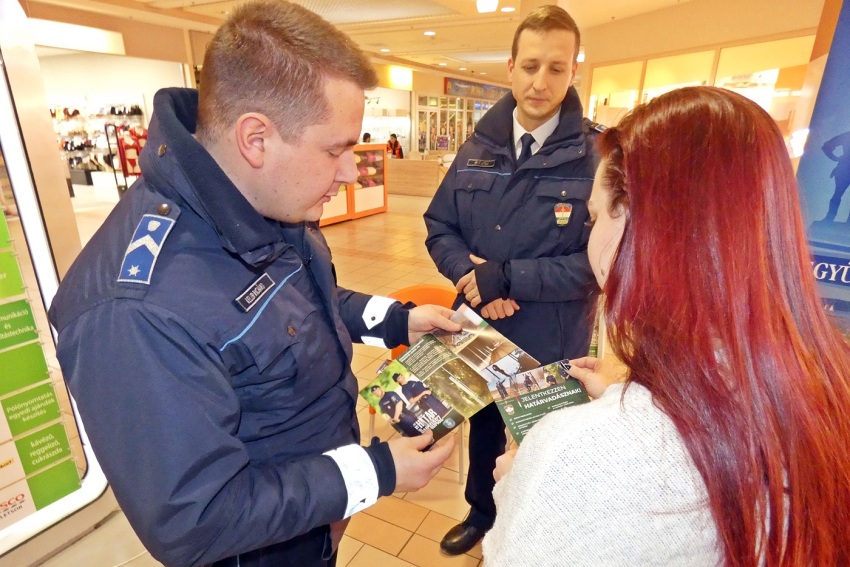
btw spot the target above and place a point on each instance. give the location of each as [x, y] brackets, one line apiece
[508, 9]
[463, 68]
[483, 73]
[442, 64]
[580, 57]
[430, 33]
[385, 50]
[485, 6]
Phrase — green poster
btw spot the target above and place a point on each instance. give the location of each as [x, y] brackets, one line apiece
[5, 238]
[11, 283]
[43, 448]
[22, 367]
[28, 410]
[17, 324]
[49, 486]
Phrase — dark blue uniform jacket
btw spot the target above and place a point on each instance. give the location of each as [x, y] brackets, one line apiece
[486, 207]
[209, 421]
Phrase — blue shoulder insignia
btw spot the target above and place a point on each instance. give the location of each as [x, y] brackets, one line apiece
[597, 126]
[140, 257]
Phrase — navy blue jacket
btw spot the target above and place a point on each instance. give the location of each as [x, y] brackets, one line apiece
[209, 421]
[486, 207]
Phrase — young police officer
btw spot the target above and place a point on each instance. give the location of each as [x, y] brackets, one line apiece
[201, 330]
[507, 225]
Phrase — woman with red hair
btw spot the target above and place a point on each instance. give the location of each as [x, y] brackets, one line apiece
[727, 440]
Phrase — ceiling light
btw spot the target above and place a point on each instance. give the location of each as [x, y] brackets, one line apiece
[580, 57]
[463, 68]
[442, 64]
[508, 9]
[485, 6]
[483, 73]
[430, 33]
[385, 50]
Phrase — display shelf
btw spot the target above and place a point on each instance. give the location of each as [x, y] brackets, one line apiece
[368, 196]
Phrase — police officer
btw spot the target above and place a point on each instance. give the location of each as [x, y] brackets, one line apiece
[507, 225]
[201, 330]
[417, 393]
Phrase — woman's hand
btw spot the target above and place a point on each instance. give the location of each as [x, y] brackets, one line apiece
[504, 464]
[596, 374]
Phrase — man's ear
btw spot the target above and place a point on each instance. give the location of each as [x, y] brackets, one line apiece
[510, 69]
[575, 70]
[253, 131]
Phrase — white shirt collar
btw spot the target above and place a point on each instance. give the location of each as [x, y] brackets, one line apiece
[540, 133]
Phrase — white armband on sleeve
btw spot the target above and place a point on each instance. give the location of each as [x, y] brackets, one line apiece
[373, 341]
[358, 472]
[376, 310]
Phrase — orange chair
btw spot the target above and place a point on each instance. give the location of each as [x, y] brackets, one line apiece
[422, 295]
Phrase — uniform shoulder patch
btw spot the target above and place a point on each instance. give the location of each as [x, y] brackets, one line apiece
[596, 126]
[143, 251]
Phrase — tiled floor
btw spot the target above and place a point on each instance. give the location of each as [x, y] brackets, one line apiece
[377, 254]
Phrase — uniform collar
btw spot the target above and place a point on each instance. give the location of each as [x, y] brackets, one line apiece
[177, 165]
[540, 134]
[497, 124]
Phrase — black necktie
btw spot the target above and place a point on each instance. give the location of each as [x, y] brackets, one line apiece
[526, 140]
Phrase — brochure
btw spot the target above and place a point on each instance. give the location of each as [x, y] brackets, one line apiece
[444, 378]
[525, 398]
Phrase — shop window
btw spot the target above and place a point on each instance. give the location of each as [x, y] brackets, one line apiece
[614, 91]
[668, 73]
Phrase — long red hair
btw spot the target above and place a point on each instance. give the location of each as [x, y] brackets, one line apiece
[712, 305]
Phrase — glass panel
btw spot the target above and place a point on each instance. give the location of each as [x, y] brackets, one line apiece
[668, 73]
[769, 73]
[432, 101]
[616, 87]
[433, 119]
[423, 101]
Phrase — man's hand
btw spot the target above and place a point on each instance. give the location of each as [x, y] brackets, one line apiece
[413, 468]
[596, 374]
[504, 464]
[426, 318]
[499, 309]
[467, 284]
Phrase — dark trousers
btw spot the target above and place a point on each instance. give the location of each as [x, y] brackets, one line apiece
[305, 550]
[486, 444]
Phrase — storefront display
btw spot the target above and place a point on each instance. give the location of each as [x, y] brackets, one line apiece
[445, 122]
[368, 195]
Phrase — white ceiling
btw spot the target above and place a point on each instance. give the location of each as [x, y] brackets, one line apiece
[464, 38]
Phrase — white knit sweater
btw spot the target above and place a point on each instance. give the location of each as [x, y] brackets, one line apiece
[603, 484]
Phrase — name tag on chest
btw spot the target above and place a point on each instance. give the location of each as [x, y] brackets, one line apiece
[481, 163]
[254, 292]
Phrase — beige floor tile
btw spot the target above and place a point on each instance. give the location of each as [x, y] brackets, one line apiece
[426, 553]
[399, 512]
[435, 526]
[370, 351]
[348, 548]
[378, 533]
[368, 556]
[476, 551]
[360, 361]
[443, 494]
[112, 543]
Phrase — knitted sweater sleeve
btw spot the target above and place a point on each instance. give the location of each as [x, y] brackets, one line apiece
[606, 483]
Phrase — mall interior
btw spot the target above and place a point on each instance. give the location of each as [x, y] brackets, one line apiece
[80, 77]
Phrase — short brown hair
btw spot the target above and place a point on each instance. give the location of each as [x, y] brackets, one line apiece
[273, 57]
[544, 19]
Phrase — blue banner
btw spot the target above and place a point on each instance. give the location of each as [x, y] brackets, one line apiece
[824, 176]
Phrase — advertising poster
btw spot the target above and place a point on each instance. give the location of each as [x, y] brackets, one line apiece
[824, 178]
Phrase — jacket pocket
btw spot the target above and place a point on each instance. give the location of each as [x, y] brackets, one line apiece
[559, 207]
[267, 353]
[473, 196]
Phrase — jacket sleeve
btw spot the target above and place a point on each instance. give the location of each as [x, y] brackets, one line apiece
[162, 417]
[445, 242]
[373, 319]
[561, 278]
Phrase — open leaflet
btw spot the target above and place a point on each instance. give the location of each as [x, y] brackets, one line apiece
[444, 378]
